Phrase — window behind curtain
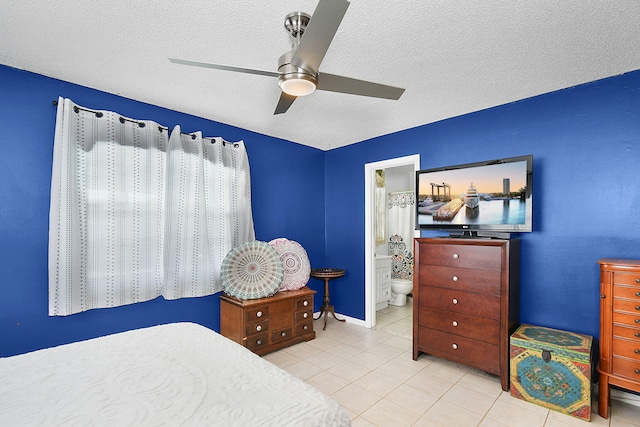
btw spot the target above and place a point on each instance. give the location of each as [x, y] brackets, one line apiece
[136, 214]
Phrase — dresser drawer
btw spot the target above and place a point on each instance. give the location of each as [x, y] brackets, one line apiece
[255, 328]
[481, 281]
[626, 368]
[628, 306]
[257, 313]
[626, 319]
[477, 353]
[626, 279]
[626, 348]
[478, 328]
[460, 302]
[467, 256]
[628, 292]
[626, 332]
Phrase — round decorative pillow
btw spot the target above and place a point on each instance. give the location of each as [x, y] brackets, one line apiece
[295, 263]
[251, 270]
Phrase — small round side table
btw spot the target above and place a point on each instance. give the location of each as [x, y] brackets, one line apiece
[327, 274]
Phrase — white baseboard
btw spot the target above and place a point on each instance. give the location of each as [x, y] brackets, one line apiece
[352, 320]
[623, 396]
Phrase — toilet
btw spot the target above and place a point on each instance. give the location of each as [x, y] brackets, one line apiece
[399, 290]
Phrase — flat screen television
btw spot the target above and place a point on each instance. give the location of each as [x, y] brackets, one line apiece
[484, 199]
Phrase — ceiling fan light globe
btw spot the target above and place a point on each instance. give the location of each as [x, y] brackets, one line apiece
[297, 85]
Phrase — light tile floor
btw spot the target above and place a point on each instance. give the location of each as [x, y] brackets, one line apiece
[371, 374]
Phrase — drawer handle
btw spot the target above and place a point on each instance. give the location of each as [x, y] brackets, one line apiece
[638, 280]
[455, 278]
[454, 346]
[637, 307]
[283, 334]
[637, 321]
[455, 301]
[259, 328]
[636, 351]
[637, 334]
[637, 371]
[456, 256]
[259, 314]
[306, 303]
[305, 327]
[454, 323]
[305, 315]
[638, 294]
[259, 342]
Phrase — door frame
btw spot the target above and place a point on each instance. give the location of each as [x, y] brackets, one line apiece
[369, 231]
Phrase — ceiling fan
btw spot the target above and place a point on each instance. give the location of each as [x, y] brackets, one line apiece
[298, 70]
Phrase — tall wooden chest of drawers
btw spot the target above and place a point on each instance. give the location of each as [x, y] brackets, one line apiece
[267, 324]
[466, 301]
[619, 363]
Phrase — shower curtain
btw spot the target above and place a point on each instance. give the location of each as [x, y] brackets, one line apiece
[135, 214]
[401, 216]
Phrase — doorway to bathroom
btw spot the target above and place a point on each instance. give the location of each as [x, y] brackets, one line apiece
[399, 180]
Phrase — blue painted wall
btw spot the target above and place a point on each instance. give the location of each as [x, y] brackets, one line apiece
[586, 146]
[285, 176]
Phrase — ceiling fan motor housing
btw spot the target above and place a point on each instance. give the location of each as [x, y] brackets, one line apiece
[295, 75]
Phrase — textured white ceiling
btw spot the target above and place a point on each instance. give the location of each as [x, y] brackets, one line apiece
[453, 57]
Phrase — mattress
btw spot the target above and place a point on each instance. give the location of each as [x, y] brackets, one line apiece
[175, 374]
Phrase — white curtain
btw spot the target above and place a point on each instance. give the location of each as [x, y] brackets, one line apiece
[401, 219]
[401, 212]
[135, 215]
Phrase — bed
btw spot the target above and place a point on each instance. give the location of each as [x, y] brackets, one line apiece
[175, 374]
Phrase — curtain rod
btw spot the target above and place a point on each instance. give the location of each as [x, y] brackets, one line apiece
[141, 124]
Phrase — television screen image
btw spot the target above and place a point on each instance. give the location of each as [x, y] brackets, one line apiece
[485, 197]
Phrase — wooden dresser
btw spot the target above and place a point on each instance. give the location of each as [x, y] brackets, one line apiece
[619, 363]
[466, 301]
[267, 324]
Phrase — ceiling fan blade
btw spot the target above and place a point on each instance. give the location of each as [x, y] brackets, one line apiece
[284, 103]
[319, 33]
[226, 67]
[333, 83]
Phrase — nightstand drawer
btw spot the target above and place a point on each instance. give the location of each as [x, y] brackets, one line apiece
[256, 341]
[256, 328]
[306, 303]
[281, 335]
[257, 313]
[304, 316]
[304, 328]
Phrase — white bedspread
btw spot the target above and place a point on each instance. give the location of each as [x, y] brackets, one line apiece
[176, 374]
